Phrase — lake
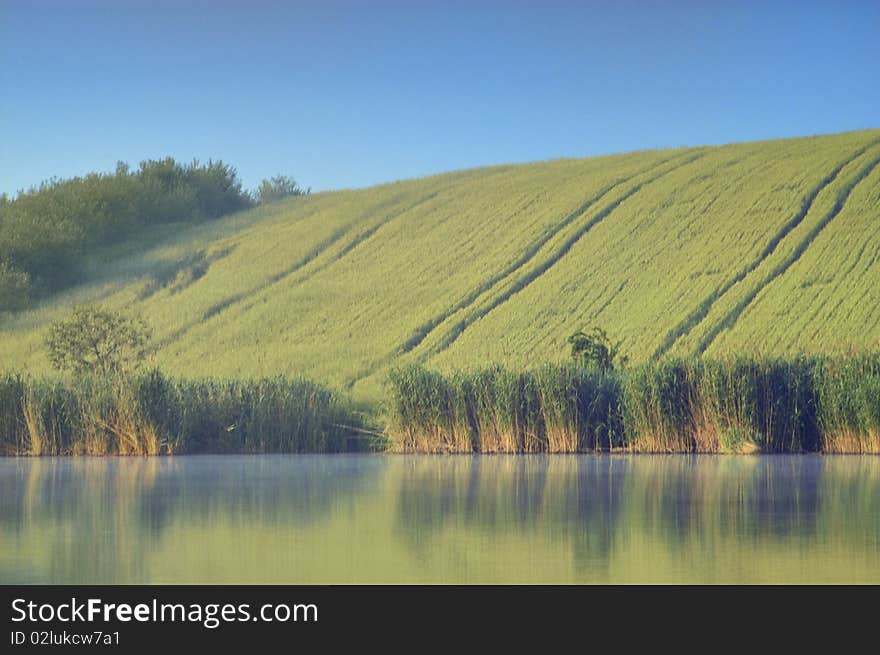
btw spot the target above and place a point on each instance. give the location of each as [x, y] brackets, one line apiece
[440, 519]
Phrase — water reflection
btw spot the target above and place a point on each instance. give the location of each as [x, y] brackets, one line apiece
[103, 520]
[575, 499]
[331, 519]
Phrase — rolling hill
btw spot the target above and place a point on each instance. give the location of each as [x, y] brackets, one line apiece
[766, 247]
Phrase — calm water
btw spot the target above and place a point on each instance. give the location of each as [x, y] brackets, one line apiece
[331, 519]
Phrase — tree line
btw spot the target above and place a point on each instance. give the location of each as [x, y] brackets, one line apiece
[45, 230]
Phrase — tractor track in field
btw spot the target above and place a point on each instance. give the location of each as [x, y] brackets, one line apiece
[306, 259]
[301, 263]
[553, 259]
[318, 250]
[693, 319]
[424, 330]
[733, 315]
[335, 238]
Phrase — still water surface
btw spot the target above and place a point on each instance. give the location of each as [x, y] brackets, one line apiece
[452, 519]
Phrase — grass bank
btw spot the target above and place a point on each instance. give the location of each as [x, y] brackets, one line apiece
[735, 405]
[153, 414]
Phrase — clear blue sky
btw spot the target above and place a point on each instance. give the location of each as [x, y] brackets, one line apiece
[344, 94]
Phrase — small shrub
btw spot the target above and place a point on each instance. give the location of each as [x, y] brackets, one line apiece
[277, 188]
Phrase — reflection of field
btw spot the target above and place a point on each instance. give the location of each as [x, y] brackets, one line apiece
[441, 519]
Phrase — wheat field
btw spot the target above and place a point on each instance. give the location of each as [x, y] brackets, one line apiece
[766, 248]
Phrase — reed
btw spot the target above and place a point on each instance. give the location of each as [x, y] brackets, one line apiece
[737, 404]
[432, 412]
[733, 405]
[655, 406]
[152, 414]
[580, 408]
[44, 411]
[556, 409]
[848, 392]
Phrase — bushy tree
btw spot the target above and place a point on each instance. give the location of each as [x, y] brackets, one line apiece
[277, 188]
[594, 349]
[97, 340]
[45, 230]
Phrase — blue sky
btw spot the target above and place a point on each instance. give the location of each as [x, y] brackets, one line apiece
[346, 94]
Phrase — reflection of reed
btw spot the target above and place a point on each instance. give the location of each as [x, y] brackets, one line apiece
[98, 520]
[680, 501]
[850, 497]
[80, 518]
[575, 497]
[684, 499]
[623, 518]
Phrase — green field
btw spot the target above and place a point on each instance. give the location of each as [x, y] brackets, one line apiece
[763, 248]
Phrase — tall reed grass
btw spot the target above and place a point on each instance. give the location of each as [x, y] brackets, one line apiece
[152, 414]
[733, 405]
[849, 398]
[555, 409]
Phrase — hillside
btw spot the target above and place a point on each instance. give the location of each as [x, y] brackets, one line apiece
[767, 247]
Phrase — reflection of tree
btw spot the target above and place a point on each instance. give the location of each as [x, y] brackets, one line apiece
[592, 518]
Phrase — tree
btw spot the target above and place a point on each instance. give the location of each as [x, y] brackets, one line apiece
[278, 188]
[594, 349]
[46, 230]
[14, 287]
[97, 340]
